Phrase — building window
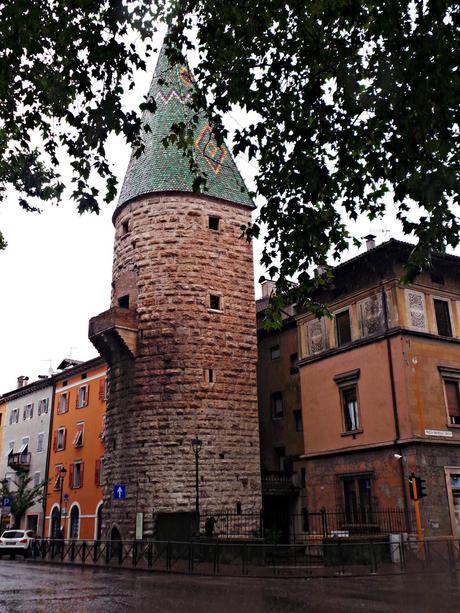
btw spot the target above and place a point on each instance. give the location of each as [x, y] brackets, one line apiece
[277, 405]
[213, 223]
[214, 302]
[14, 416]
[350, 408]
[125, 227]
[441, 311]
[123, 302]
[82, 397]
[74, 523]
[357, 492]
[60, 437]
[297, 420]
[43, 406]
[99, 472]
[76, 475]
[28, 412]
[40, 442]
[63, 405]
[453, 401]
[293, 359]
[24, 448]
[343, 328]
[78, 438]
[57, 477]
[37, 479]
[280, 457]
[275, 352]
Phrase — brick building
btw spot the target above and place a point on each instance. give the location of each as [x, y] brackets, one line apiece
[180, 336]
[380, 389]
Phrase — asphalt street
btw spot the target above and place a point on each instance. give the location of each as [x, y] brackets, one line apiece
[38, 588]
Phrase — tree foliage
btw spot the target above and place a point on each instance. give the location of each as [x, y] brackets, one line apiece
[23, 495]
[356, 103]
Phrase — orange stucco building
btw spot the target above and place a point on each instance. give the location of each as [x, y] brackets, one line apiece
[77, 446]
[380, 391]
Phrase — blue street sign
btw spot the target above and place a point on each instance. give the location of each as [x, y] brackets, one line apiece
[6, 502]
[119, 491]
[66, 497]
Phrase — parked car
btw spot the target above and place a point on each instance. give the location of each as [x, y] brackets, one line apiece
[16, 542]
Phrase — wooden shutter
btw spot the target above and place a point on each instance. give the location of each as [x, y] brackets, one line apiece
[64, 438]
[31, 410]
[82, 466]
[441, 309]
[71, 476]
[55, 441]
[343, 327]
[453, 400]
[87, 395]
[97, 472]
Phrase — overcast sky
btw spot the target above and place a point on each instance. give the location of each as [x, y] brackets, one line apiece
[56, 271]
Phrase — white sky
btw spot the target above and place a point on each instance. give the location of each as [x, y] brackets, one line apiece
[56, 271]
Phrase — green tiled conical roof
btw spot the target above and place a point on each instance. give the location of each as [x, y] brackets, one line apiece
[161, 169]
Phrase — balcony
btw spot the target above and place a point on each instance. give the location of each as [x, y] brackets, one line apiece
[114, 332]
[19, 461]
[278, 483]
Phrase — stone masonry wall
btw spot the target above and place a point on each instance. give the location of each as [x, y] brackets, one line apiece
[160, 400]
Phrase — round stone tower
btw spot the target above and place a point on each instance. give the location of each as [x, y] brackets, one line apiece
[180, 336]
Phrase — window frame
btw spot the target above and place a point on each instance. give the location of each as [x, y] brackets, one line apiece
[346, 381]
[58, 431]
[449, 375]
[82, 404]
[40, 436]
[298, 423]
[221, 303]
[72, 474]
[274, 396]
[435, 299]
[63, 407]
[336, 328]
[214, 218]
[78, 439]
[275, 352]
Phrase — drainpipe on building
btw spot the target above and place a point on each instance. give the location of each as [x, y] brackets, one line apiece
[48, 454]
[395, 407]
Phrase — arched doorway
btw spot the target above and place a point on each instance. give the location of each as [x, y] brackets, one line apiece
[99, 511]
[74, 522]
[55, 528]
[115, 534]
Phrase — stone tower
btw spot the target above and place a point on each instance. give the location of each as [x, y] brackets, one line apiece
[180, 336]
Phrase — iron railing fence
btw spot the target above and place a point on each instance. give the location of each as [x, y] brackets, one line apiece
[300, 527]
[341, 557]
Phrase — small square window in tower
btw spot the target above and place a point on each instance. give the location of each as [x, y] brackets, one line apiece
[214, 302]
[123, 302]
[441, 310]
[125, 228]
[343, 328]
[214, 223]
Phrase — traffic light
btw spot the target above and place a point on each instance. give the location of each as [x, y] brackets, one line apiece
[420, 487]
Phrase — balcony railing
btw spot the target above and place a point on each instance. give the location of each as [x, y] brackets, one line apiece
[19, 461]
[278, 482]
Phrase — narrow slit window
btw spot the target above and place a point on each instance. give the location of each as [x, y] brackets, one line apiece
[125, 227]
[441, 310]
[350, 409]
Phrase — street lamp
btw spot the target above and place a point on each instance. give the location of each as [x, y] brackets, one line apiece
[62, 474]
[196, 446]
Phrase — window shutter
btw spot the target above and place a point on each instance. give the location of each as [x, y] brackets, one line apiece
[97, 472]
[55, 441]
[39, 410]
[71, 476]
[87, 395]
[453, 400]
[31, 410]
[101, 388]
[77, 398]
[64, 438]
[82, 466]
[24, 413]
[415, 302]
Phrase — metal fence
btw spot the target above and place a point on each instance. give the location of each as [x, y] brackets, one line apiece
[301, 527]
[316, 559]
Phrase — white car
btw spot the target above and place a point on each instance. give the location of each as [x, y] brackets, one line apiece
[16, 541]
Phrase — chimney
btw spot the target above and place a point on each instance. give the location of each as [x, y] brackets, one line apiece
[22, 381]
[370, 242]
[268, 288]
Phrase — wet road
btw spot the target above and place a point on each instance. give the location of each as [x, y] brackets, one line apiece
[37, 588]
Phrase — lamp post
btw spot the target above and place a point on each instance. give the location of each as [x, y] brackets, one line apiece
[62, 474]
[196, 446]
